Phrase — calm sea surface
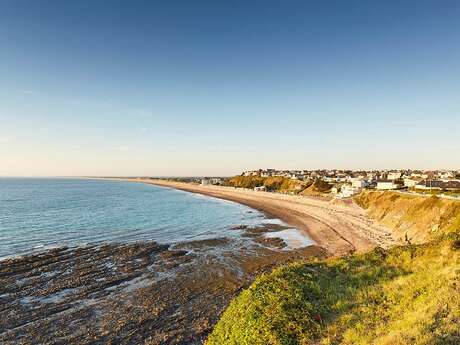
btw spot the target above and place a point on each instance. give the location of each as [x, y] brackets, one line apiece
[40, 213]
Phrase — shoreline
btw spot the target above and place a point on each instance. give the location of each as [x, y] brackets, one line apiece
[340, 229]
[136, 293]
[147, 292]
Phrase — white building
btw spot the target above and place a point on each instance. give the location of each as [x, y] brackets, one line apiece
[347, 191]
[409, 182]
[387, 185]
[260, 189]
[446, 175]
[394, 175]
[358, 183]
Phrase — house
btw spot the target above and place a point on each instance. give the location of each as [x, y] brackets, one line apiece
[428, 175]
[408, 182]
[388, 184]
[452, 185]
[438, 185]
[446, 175]
[260, 189]
[206, 182]
[252, 173]
[347, 190]
[394, 175]
[358, 183]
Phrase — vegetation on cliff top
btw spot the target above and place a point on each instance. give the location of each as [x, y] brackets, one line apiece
[277, 183]
[280, 184]
[420, 218]
[404, 295]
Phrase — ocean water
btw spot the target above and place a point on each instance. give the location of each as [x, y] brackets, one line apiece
[36, 214]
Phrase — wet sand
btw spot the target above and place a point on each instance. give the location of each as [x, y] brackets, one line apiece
[339, 228]
[142, 293]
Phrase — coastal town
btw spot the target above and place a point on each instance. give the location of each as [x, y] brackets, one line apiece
[347, 183]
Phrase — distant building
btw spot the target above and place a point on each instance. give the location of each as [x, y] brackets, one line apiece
[260, 189]
[347, 190]
[438, 185]
[394, 175]
[387, 185]
[206, 182]
[408, 182]
[358, 183]
[446, 175]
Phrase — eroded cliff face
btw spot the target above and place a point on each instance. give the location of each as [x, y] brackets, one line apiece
[413, 218]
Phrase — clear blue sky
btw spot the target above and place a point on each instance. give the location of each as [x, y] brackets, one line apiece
[215, 87]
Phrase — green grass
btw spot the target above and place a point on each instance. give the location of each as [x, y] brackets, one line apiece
[405, 295]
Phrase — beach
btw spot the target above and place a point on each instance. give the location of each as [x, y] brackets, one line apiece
[338, 227]
[170, 293]
[127, 284]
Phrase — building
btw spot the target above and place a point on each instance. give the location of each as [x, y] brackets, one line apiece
[347, 191]
[260, 189]
[387, 185]
[438, 185]
[446, 175]
[206, 182]
[408, 182]
[358, 183]
[394, 175]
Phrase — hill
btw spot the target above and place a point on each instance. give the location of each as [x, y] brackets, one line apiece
[403, 295]
[421, 218]
[273, 184]
[281, 184]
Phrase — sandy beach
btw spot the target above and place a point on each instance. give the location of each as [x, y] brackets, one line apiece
[337, 227]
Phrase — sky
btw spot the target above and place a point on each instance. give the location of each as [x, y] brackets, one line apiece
[188, 88]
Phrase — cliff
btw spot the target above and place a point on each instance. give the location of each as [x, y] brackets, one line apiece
[421, 218]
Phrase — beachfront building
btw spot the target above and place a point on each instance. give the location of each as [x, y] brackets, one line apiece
[347, 191]
[335, 190]
[453, 185]
[408, 182]
[358, 183]
[260, 189]
[387, 185]
[394, 175]
[206, 182]
[446, 175]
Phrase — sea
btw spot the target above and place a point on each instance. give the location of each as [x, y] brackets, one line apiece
[41, 213]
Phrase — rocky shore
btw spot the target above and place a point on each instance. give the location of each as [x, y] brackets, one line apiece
[133, 293]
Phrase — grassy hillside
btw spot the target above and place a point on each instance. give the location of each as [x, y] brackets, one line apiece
[280, 184]
[406, 295]
[318, 187]
[277, 183]
[422, 218]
